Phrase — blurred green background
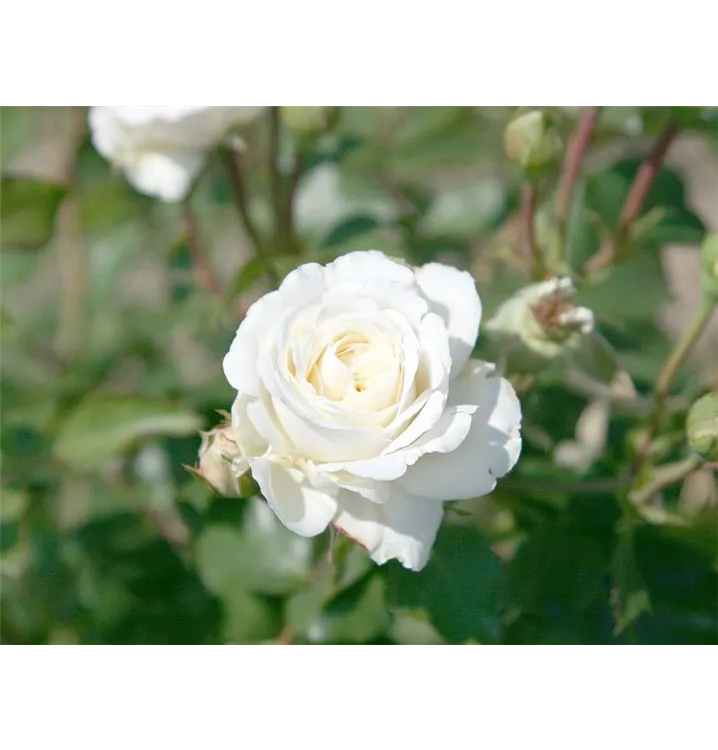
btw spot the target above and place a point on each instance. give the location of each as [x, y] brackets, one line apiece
[111, 362]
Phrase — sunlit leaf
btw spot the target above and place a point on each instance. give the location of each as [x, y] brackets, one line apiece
[105, 425]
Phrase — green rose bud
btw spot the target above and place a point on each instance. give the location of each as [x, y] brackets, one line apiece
[702, 427]
[220, 464]
[531, 140]
[310, 120]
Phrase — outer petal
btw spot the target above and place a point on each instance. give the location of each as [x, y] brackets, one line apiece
[240, 362]
[446, 435]
[488, 452]
[368, 265]
[403, 528]
[453, 296]
[301, 507]
[167, 176]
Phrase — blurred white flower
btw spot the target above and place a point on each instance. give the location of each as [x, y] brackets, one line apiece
[162, 149]
[539, 323]
[358, 405]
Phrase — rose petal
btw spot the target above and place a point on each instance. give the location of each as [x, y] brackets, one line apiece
[488, 452]
[368, 265]
[240, 362]
[167, 176]
[403, 528]
[452, 294]
[301, 507]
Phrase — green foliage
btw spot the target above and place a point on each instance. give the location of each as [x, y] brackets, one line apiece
[458, 590]
[104, 425]
[28, 211]
[112, 346]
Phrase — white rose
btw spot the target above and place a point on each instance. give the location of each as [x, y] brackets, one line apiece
[358, 404]
[162, 149]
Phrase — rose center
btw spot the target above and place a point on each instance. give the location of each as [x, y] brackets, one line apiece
[358, 370]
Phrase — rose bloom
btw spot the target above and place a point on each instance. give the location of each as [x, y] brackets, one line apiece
[358, 405]
[162, 149]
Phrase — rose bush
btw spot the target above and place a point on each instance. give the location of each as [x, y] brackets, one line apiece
[162, 149]
[358, 404]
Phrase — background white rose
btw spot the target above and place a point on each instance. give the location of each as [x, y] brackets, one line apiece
[162, 149]
[358, 404]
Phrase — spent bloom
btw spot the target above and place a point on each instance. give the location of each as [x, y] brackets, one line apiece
[358, 404]
[162, 149]
[539, 323]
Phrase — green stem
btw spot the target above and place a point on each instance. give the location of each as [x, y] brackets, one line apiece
[664, 476]
[667, 376]
[680, 353]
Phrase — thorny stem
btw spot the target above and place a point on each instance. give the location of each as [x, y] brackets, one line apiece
[575, 153]
[645, 176]
[635, 199]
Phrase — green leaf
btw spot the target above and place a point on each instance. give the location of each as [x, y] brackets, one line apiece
[355, 615]
[27, 211]
[558, 569]
[412, 627]
[629, 595]
[348, 229]
[247, 618]
[597, 358]
[458, 588]
[105, 425]
[262, 556]
[246, 276]
[676, 225]
[682, 579]
[13, 505]
[133, 587]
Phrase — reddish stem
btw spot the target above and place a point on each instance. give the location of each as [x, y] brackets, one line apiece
[636, 197]
[202, 269]
[575, 153]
